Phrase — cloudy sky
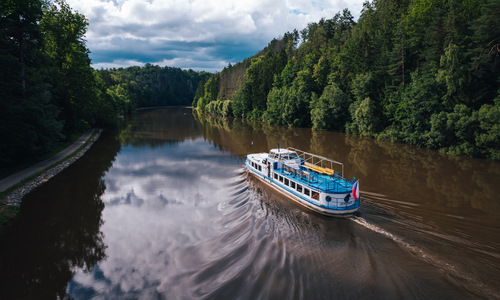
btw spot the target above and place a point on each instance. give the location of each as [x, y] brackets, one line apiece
[194, 34]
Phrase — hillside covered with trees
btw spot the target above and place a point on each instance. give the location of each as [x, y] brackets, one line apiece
[49, 91]
[419, 72]
[153, 85]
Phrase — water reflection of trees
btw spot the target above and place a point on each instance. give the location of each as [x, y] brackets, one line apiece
[157, 127]
[404, 171]
[239, 136]
[57, 229]
[427, 175]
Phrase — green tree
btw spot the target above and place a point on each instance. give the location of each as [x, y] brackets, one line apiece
[488, 138]
[452, 74]
[485, 63]
[211, 92]
[28, 122]
[408, 110]
[72, 77]
[275, 106]
[296, 111]
[365, 119]
[455, 132]
[331, 110]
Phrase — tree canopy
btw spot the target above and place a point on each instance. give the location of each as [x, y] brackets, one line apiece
[420, 72]
[49, 91]
[152, 85]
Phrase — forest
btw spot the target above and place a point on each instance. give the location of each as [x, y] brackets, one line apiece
[422, 72]
[152, 85]
[49, 91]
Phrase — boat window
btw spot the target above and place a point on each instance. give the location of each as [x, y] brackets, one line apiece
[260, 168]
[286, 181]
[299, 188]
[306, 191]
[293, 156]
[281, 178]
[315, 195]
[328, 198]
[292, 184]
[275, 176]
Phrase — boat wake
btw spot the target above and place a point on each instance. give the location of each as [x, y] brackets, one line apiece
[242, 256]
[453, 273]
[264, 246]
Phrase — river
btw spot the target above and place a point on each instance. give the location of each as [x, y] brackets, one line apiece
[164, 209]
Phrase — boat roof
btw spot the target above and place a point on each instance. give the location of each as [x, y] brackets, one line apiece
[281, 151]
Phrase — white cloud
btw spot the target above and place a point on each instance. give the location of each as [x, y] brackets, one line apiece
[117, 63]
[144, 29]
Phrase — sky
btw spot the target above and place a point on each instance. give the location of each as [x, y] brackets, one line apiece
[203, 35]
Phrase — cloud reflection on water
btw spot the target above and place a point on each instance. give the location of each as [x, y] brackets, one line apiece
[158, 201]
[180, 222]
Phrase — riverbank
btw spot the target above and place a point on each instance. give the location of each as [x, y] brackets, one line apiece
[15, 187]
[161, 107]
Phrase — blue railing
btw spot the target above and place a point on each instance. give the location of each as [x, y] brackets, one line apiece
[334, 183]
[325, 183]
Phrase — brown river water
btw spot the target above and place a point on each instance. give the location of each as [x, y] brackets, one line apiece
[164, 209]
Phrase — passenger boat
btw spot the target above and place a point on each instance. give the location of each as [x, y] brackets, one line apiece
[308, 179]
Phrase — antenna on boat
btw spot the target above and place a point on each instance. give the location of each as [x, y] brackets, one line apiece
[278, 147]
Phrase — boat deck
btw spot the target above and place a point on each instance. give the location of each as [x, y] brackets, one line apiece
[308, 174]
[327, 183]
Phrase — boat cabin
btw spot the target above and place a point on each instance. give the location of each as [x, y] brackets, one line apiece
[283, 154]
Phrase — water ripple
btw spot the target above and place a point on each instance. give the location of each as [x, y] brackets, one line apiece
[268, 247]
[455, 274]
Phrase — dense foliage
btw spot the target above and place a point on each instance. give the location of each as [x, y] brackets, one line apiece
[49, 91]
[420, 72]
[152, 85]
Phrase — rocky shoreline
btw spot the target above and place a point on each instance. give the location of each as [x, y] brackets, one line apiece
[16, 197]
